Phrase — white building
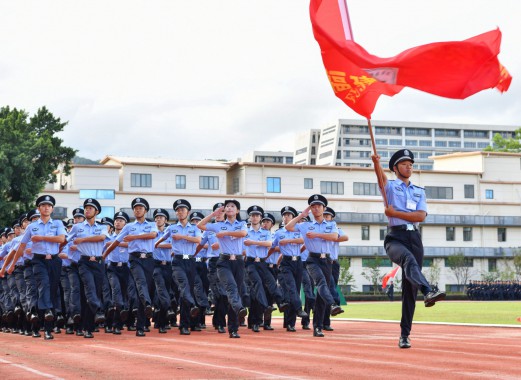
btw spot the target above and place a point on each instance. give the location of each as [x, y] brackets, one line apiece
[268, 157]
[474, 201]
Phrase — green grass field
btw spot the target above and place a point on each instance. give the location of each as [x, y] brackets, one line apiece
[504, 312]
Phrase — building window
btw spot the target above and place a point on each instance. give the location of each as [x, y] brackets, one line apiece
[338, 154]
[441, 144]
[455, 144]
[106, 212]
[467, 233]
[381, 141]
[427, 263]
[308, 183]
[492, 265]
[97, 194]
[235, 185]
[140, 180]
[313, 150]
[450, 233]
[313, 161]
[425, 143]
[208, 182]
[360, 188]
[383, 232]
[365, 232]
[328, 187]
[369, 262]
[470, 144]
[468, 262]
[273, 184]
[180, 182]
[489, 194]
[501, 234]
[469, 191]
[395, 142]
[302, 150]
[289, 160]
[435, 192]
[411, 142]
[325, 154]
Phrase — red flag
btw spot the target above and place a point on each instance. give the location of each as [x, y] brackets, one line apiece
[454, 69]
[388, 276]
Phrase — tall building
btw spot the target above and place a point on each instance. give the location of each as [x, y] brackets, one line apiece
[347, 142]
[268, 157]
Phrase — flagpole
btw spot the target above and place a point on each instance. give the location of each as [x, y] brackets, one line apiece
[373, 143]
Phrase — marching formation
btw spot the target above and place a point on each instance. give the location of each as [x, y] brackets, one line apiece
[86, 274]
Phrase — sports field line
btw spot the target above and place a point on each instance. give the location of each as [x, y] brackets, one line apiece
[32, 370]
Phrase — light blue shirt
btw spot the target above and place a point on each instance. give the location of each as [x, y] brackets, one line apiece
[136, 228]
[304, 255]
[74, 255]
[162, 254]
[83, 230]
[119, 254]
[39, 228]
[229, 245]
[183, 247]
[336, 245]
[404, 198]
[292, 249]
[210, 239]
[257, 250]
[317, 245]
[65, 249]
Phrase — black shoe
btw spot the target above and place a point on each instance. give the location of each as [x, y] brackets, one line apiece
[131, 328]
[162, 330]
[116, 331]
[184, 331]
[432, 297]
[255, 328]
[329, 328]
[306, 327]
[318, 332]
[108, 330]
[268, 327]
[60, 321]
[79, 333]
[34, 318]
[57, 330]
[49, 316]
[194, 312]
[100, 317]
[404, 342]
[243, 312]
[234, 334]
[27, 333]
[140, 333]
[48, 335]
[36, 334]
[195, 328]
[291, 329]
[302, 314]
[88, 335]
[69, 330]
[221, 330]
[76, 318]
[148, 311]
[283, 307]
[335, 310]
[123, 315]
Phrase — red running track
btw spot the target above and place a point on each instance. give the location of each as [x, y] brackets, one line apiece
[361, 350]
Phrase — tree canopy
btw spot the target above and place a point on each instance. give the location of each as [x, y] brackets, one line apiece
[30, 152]
[500, 144]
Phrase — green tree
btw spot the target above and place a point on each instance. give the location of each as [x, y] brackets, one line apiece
[373, 273]
[434, 272]
[345, 277]
[30, 152]
[460, 267]
[500, 144]
[516, 262]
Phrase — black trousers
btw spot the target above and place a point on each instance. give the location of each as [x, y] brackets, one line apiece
[405, 248]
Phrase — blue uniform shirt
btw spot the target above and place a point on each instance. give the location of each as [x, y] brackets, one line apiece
[66, 262]
[304, 255]
[229, 245]
[83, 230]
[136, 228]
[162, 254]
[119, 254]
[317, 245]
[74, 255]
[336, 245]
[51, 228]
[404, 198]
[183, 247]
[257, 250]
[210, 239]
[287, 249]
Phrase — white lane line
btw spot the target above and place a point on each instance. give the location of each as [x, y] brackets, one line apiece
[32, 370]
[264, 374]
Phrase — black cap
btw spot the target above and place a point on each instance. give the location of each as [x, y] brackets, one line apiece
[78, 212]
[92, 202]
[45, 199]
[8, 231]
[22, 217]
[140, 202]
[317, 198]
[196, 215]
[107, 221]
[122, 215]
[161, 212]
[399, 156]
[268, 216]
[330, 211]
[288, 209]
[255, 210]
[70, 222]
[33, 214]
[217, 205]
[182, 203]
[64, 223]
[234, 201]
[305, 219]
[15, 223]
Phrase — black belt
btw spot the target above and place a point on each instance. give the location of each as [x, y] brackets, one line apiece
[291, 258]
[161, 262]
[74, 264]
[183, 257]
[141, 255]
[200, 259]
[118, 264]
[43, 256]
[254, 259]
[88, 258]
[402, 227]
[226, 256]
[318, 255]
